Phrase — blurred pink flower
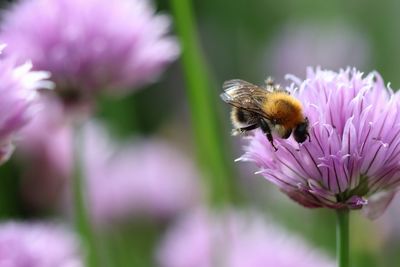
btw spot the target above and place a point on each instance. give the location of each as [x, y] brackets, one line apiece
[144, 177]
[353, 157]
[90, 45]
[38, 245]
[18, 90]
[234, 239]
[299, 45]
[140, 178]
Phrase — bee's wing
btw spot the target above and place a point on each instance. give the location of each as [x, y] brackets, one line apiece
[245, 95]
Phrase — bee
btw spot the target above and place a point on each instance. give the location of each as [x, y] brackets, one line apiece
[269, 107]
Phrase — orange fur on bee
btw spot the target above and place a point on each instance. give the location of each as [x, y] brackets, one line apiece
[284, 108]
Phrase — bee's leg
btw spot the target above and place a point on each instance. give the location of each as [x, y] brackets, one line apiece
[265, 128]
[242, 130]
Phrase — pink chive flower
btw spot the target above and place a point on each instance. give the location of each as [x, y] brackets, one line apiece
[353, 157]
[234, 239]
[18, 95]
[38, 245]
[141, 178]
[90, 45]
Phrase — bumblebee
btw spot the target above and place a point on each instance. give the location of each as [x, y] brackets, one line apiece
[269, 107]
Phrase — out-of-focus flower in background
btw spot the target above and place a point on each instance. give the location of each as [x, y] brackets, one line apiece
[331, 45]
[18, 90]
[90, 45]
[147, 178]
[144, 177]
[234, 239]
[353, 158]
[38, 245]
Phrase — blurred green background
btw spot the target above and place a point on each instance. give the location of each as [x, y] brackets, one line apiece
[252, 40]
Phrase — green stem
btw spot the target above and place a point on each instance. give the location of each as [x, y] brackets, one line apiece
[342, 238]
[202, 98]
[82, 220]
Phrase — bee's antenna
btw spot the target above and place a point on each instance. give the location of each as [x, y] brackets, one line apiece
[309, 138]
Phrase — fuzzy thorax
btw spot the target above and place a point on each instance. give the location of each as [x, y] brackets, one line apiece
[284, 109]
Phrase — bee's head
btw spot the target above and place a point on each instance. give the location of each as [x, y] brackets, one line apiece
[301, 131]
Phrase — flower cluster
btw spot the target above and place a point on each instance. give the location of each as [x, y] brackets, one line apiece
[353, 157]
[90, 45]
[234, 239]
[142, 178]
[38, 245]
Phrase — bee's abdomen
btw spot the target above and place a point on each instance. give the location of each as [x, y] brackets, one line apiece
[241, 117]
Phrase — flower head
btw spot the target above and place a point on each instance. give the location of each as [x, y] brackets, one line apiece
[90, 45]
[18, 90]
[38, 245]
[142, 178]
[234, 239]
[353, 157]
